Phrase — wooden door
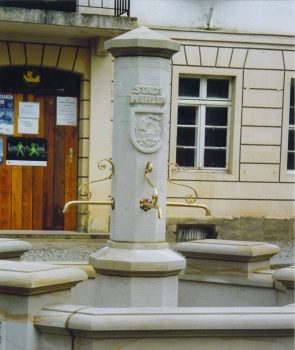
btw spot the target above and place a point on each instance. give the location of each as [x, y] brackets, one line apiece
[33, 197]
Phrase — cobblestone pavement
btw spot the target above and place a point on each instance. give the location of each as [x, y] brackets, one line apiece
[82, 252]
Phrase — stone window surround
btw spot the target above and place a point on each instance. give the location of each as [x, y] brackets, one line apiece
[201, 102]
[234, 138]
[286, 175]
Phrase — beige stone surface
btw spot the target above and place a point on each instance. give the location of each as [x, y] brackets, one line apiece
[289, 59]
[34, 54]
[67, 58]
[260, 172]
[83, 167]
[179, 57]
[262, 98]
[51, 53]
[262, 116]
[84, 145]
[223, 57]
[208, 56]
[85, 90]
[17, 53]
[261, 135]
[264, 59]
[84, 128]
[193, 55]
[238, 58]
[4, 57]
[263, 79]
[82, 64]
[260, 154]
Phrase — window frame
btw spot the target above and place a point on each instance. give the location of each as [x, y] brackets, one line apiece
[201, 103]
[285, 174]
[234, 124]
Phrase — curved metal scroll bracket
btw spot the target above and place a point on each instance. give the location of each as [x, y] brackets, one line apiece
[189, 198]
[146, 204]
[83, 191]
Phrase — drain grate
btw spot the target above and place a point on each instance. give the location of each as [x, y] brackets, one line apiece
[191, 232]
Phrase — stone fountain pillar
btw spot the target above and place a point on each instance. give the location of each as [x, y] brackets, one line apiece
[137, 268]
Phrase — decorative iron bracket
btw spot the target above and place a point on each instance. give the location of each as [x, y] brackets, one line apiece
[83, 191]
[189, 198]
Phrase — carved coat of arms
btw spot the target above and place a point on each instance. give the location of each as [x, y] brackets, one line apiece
[146, 131]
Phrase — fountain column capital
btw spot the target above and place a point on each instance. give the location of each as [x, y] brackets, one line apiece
[142, 41]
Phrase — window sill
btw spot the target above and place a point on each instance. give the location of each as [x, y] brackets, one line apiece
[209, 174]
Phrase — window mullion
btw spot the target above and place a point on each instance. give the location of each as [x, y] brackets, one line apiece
[201, 147]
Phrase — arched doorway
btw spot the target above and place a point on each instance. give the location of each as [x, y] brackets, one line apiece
[44, 110]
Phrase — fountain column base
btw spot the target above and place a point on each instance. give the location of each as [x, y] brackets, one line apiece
[136, 275]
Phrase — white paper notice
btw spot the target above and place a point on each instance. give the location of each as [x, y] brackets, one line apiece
[66, 111]
[28, 119]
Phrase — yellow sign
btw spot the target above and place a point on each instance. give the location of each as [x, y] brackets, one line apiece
[31, 77]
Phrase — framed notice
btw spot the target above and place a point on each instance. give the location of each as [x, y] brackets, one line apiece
[66, 111]
[26, 151]
[28, 119]
[6, 114]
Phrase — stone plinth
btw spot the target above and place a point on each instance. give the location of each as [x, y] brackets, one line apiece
[137, 268]
[13, 248]
[226, 328]
[285, 276]
[26, 288]
[214, 256]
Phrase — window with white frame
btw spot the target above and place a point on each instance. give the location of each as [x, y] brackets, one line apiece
[204, 105]
[291, 132]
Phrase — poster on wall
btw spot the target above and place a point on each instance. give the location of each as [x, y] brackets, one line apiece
[66, 111]
[28, 118]
[6, 114]
[1, 150]
[26, 151]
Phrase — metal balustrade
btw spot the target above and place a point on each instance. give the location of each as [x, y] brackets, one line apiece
[105, 7]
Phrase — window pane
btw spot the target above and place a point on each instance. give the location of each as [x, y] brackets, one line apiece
[292, 116]
[216, 116]
[214, 158]
[186, 115]
[291, 140]
[292, 93]
[185, 157]
[291, 161]
[186, 136]
[215, 137]
[189, 87]
[217, 88]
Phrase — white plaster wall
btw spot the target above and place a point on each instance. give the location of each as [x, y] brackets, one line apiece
[233, 15]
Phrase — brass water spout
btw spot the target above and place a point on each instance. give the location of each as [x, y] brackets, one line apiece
[147, 204]
[78, 202]
[187, 205]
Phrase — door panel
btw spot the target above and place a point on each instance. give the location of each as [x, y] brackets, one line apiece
[33, 197]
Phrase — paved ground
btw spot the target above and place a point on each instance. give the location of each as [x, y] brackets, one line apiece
[79, 251]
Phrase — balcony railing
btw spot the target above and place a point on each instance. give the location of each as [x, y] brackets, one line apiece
[108, 7]
[102, 7]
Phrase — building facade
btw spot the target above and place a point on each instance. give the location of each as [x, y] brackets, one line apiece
[231, 113]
